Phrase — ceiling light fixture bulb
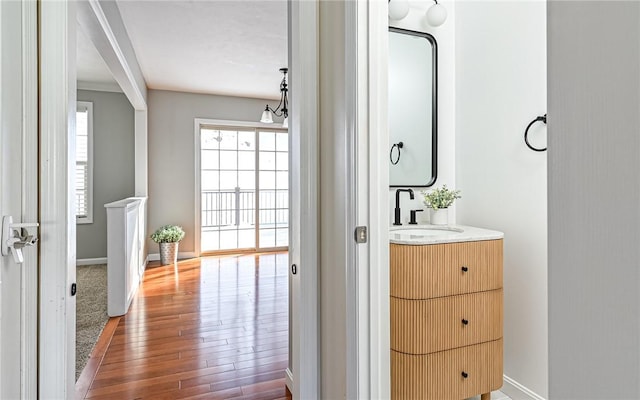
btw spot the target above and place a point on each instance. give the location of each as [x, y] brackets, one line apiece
[398, 9]
[267, 117]
[285, 123]
[436, 14]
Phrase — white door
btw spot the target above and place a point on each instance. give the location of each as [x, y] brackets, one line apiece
[18, 196]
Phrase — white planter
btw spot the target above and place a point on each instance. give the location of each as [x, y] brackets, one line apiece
[439, 216]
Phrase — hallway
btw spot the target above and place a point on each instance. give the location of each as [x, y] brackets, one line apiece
[213, 328]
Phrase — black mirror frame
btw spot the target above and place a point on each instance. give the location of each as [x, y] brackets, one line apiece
[434, 104]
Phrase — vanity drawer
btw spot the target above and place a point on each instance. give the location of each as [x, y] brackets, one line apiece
[427, 326]
[439, 376]
[436, 270]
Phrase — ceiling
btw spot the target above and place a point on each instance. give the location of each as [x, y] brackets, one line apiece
[231, 48]
[90, 65]
[219, 47]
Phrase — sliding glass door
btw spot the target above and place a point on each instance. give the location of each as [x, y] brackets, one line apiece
[244, 189]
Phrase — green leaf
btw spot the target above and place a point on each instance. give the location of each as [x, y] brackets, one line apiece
[439, 198]
[168, 234]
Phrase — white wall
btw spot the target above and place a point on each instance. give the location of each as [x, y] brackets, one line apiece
[594, 200]
[445, 37]
[113, 165]
[171, 143]
[500, 88]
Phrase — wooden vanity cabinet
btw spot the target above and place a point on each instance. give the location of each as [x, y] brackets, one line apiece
[446, 320]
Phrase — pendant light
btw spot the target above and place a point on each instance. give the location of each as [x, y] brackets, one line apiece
[282, 109]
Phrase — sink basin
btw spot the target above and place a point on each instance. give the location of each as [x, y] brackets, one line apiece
[417, 235]
[425, 231]
[423, 234]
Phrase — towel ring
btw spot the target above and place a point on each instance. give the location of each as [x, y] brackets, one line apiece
[398, 145]
[542, 119]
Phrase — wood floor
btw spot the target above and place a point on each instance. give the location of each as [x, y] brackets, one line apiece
[210, 328]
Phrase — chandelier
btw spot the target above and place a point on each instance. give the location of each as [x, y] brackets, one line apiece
[281, 110]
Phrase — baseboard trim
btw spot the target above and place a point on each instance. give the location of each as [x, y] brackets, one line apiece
[91, 261]
[181, 256]
[288, 379]
[518, 391]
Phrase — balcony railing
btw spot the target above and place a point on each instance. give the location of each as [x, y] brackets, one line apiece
[238, 207]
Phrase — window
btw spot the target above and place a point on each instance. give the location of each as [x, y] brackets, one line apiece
[84, 163]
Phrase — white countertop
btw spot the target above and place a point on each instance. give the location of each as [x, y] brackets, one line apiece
[440, 234]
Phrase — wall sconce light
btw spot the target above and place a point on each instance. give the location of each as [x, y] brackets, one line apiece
[398, 9]
[282, 109]
[436, 14]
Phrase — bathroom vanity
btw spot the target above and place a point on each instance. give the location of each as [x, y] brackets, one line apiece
[446, 312]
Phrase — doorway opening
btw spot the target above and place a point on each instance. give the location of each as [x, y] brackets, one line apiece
[259, 211]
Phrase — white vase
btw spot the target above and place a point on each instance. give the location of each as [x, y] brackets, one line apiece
[439, 216]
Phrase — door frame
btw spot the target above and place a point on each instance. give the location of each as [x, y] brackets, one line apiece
[367, 303]
[29, 323]
[57, 217]
[374, 329]
[303, 372]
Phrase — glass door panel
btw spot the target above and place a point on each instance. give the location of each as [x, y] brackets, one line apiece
[244, 177]
[273, 199]
[228, 183]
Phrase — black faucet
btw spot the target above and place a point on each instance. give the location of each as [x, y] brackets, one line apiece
[412, 218]
[396, 219]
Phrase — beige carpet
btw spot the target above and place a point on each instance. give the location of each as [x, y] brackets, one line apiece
[91, 310]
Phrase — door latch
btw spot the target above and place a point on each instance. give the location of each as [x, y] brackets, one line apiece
[361, 234]
[15, 237]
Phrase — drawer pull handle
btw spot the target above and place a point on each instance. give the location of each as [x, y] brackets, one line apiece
[465, 322]
[464, 374]
[465, 269]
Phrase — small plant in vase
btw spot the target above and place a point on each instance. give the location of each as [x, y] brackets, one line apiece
[168, 237]
[438, 200]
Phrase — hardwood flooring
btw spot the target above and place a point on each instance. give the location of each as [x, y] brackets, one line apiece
[209, 328]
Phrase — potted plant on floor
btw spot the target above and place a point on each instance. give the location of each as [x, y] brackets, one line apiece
[168, 237]
[438, 200]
